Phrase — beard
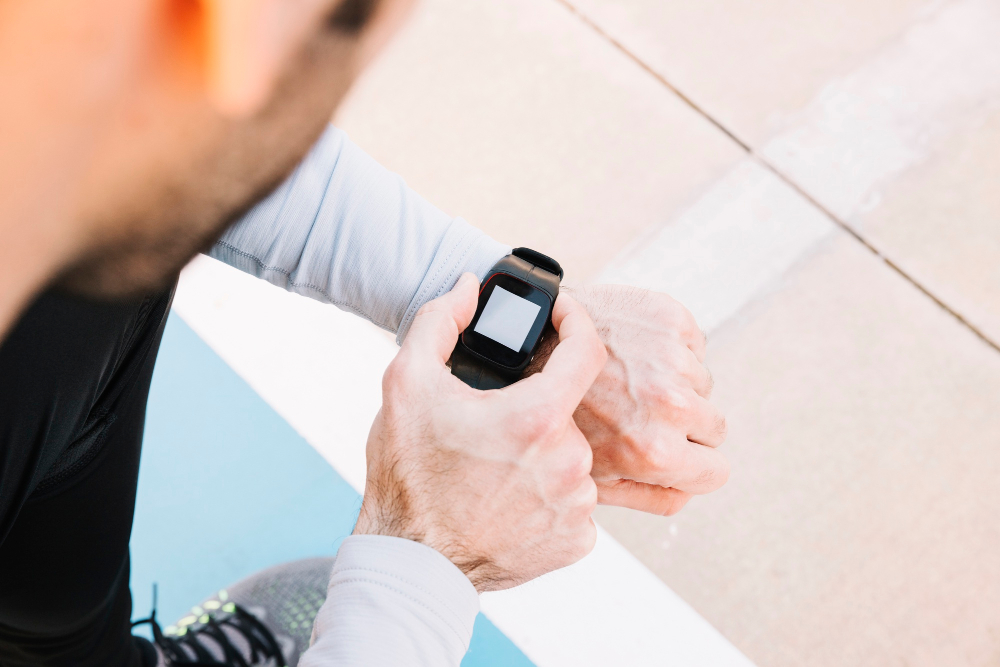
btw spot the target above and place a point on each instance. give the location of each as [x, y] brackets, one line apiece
[170, 206]
[154, 239]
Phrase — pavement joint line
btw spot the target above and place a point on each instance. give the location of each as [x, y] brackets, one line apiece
[764, 162]
[878, 253]
[653, 73]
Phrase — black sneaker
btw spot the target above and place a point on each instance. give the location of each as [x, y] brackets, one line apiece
[264, 620]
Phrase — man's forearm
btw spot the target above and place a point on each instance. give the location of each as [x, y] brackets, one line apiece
[345, 230]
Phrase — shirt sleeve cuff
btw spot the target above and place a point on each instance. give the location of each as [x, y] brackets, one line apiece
[393, 601]
[464, 248]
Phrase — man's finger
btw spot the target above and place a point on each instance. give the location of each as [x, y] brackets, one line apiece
[692, 335]
[680, 464]
[648, 498]
[576, 361]
[697, 342]
[435, 329]
[707, 425]
[701, 380]
[700, 469]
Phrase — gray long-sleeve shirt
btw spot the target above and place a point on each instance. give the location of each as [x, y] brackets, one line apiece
[344, 230]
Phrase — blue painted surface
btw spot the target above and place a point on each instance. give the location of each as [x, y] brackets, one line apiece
[227, 487]
[491, 648]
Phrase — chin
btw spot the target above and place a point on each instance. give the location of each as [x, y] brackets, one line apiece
[140, 264]
[168, 210]
[121, 277]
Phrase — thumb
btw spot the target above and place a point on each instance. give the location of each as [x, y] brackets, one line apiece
[435, 329]
[575, 362]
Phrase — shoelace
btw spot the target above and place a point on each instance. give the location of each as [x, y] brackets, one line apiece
[262, 644]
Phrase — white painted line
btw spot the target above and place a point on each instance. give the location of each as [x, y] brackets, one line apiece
[321, 370]
[942, 75]
[741, 235]
[608, 609]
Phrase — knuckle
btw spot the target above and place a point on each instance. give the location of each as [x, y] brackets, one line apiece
[713, 478]
[689, 325]
[673, 504]
[689, 365]
[584, 457]
[721, 427]
[721, 475]
[709, 380]
[586, 541]
[580, 466]
[680, 402]
[569, 479]
[590, 498]
[394, 375]
[646, 452]
[656, 390]
[662, 392]
[540, 425]
[657, 455]
[598, 350]
[681, 318]
[677, 357]
[668, 459]
[675, 316]
[706, 478]
[697, 333]
[399, 383]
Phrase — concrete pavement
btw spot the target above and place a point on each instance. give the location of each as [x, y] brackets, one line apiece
[851, 149]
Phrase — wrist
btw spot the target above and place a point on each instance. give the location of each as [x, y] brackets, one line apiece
[410, 587]
[480, 571]
[377, 518]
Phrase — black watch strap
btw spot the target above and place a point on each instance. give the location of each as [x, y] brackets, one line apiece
[533, 267]
[472, 371]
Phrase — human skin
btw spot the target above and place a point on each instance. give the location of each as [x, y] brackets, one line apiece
[648, 417]
[134, 131]
[498, 481]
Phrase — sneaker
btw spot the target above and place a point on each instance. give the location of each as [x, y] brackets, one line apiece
[264, 620]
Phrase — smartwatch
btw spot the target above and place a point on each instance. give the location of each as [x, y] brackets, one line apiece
[515, 307]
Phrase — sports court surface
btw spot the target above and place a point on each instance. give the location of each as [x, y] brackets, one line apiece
[819, 182]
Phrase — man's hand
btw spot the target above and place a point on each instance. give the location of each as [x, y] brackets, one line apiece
[647, 416]
[497, 481]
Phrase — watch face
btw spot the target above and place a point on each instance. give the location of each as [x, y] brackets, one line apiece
[509, 321]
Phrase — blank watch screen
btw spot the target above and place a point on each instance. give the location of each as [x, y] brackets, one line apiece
[507, 318]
